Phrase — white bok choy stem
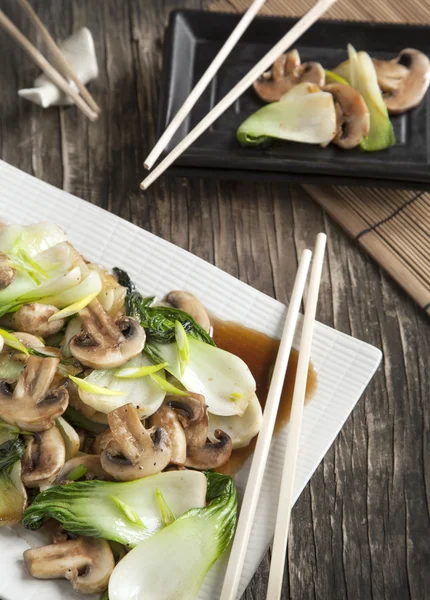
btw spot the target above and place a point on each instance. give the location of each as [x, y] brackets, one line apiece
[146, 395]
[174, 562]
[221, 377]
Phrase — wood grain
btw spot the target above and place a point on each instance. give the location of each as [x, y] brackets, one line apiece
[361, 528]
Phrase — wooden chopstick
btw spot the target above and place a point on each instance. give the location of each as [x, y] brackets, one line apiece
[62, 64]
[276, 575]
[263, 65]
[253, 486]
[46, 67]
[203, 83]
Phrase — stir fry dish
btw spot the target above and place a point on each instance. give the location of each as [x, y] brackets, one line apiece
[348, 106]
[116, 410]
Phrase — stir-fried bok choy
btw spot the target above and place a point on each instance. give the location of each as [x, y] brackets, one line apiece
[122, 512]
[187, 549]
[115, 410]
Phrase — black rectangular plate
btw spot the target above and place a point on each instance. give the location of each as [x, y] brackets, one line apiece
[192, 40]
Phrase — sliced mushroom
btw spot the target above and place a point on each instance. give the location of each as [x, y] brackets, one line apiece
[404, 80]
[167, 418]
[34, 319]
[201, 453]
[7, 273]
[189, 304]
[102, 441]
[33, 405]
[86, 562]
[44, 457]
[135, 452]
[29, 340]
[287, 72]
[352, 115]
[92, 464]
[104, 344]
[212, 455]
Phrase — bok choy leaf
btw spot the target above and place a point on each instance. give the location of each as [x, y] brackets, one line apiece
[304, 114]
[103, 509]
[10, 453]
[158, 321]
[143, 392]
[187, 549]
[13, 497]
[222, 378]
[360, 73]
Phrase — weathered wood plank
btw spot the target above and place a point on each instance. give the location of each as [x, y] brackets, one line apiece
[361, 528]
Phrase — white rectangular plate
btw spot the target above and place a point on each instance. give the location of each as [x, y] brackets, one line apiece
[345, 365]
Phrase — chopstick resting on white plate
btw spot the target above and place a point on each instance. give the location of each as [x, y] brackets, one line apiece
[263, 65]
[253, 486]
[274, 588]
[203, 83]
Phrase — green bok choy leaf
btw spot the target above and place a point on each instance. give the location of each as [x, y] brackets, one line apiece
[304, 114]
[13, 497]
[186, 549]
[122, 512]
[360, 72]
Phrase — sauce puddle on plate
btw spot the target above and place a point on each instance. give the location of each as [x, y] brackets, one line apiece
[259, 352]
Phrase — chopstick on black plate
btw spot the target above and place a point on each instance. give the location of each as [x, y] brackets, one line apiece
[263, 65]
[203, 83]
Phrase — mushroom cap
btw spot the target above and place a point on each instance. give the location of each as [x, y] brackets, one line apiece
[7, 273]
[135, 452]
[189, 304]
[167, 419]
[286, 72]
[212, 455]
[201, 453]
[352, 115]
[404, 89]
[34, 319]
[86, 562]
[104, 344]
[44, 457]
[33, 405]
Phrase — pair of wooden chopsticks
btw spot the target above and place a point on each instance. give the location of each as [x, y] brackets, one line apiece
[263, 65]
[250, 500]
[83, 100]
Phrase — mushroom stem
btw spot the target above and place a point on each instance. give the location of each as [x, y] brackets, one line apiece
[86, 562]
[201, 453]
[33, 405]
[34, 319]
[134, 452]
[103, 343]
[99, 325]
[44, 457]
[167, 418]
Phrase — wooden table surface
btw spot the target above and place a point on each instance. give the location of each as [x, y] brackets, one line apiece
[361, 529]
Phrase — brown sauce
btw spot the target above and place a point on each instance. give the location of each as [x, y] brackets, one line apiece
[259, 352]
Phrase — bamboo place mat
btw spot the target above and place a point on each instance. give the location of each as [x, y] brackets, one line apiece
[392, 225]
